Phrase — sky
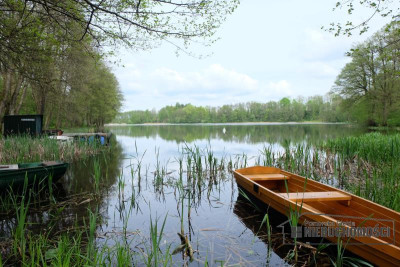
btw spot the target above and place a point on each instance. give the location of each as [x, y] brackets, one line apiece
[267, 50]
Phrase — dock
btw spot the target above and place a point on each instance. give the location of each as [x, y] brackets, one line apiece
[104, 138]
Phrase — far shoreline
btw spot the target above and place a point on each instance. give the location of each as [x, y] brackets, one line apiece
[228, 123]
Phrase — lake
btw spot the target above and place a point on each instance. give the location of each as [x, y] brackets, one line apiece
[151, 175]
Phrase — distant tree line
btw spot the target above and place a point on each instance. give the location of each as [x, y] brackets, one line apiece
[370, 83]
[316, 108]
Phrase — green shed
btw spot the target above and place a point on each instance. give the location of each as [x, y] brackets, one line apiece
[23, 124]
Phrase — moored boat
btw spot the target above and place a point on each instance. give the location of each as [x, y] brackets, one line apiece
[15, 174]
[366, 228]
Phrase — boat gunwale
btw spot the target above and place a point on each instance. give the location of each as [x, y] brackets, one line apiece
[35, 168]
[393, 251]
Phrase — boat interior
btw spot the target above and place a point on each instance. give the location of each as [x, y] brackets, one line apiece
[296, 191]
[323, 199]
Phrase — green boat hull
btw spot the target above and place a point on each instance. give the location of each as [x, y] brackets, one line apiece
[35, 173]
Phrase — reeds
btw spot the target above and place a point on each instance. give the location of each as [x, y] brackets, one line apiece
[29, 149]
[96, 174]
[153, 257]
[372, 147]
[19, 244]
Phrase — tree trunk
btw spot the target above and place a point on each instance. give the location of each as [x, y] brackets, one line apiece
[40, 100]
[48, 118]
[60, 109]
[15, 91]
[21, 100]
[5, 96]
[385, 113]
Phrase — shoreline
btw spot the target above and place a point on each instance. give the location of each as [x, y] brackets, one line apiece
[228, 123]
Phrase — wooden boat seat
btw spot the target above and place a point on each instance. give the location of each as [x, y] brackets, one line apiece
[317, 196]
[49, 163]
[267, 177]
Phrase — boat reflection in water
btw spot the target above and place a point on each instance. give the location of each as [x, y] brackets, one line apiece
[252, 212]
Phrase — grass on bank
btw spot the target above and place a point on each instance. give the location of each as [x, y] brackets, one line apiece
[370, 165]
[372, 147]
[27, 149]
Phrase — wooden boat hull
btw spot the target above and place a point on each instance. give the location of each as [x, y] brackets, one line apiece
[35, 173]
[285, 191]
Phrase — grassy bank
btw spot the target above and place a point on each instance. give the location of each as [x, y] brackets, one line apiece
[375, 148]
[370, 166]
[28, 149]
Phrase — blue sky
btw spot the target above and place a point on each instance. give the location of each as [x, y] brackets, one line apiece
[268, 50]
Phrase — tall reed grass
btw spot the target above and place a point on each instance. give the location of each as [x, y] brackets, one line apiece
[28, 149]
[372, 147]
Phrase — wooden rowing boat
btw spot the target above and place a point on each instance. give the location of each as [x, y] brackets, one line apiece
[36, 173]
[325, 205]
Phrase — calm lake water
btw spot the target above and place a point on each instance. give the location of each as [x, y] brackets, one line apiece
[221, 228]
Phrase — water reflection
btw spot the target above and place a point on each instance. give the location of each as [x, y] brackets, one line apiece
[245, 133]
[66, 205]
[80, 175]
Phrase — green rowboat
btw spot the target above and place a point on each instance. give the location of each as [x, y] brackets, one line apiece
[14, 175]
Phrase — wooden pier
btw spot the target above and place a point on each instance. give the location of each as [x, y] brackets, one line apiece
[104, 138]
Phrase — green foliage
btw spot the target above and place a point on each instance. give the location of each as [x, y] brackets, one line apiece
[135, 24]
[369, 83]
[96, 101]
[379, 155]
[385, 9]
[51, 51]
[373, 147]
[314, 109]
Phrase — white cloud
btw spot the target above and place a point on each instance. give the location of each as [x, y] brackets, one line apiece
[212, 85]
[321, 56]
[320, 69]
[214, 77]
[318, 45]
[281, 87]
